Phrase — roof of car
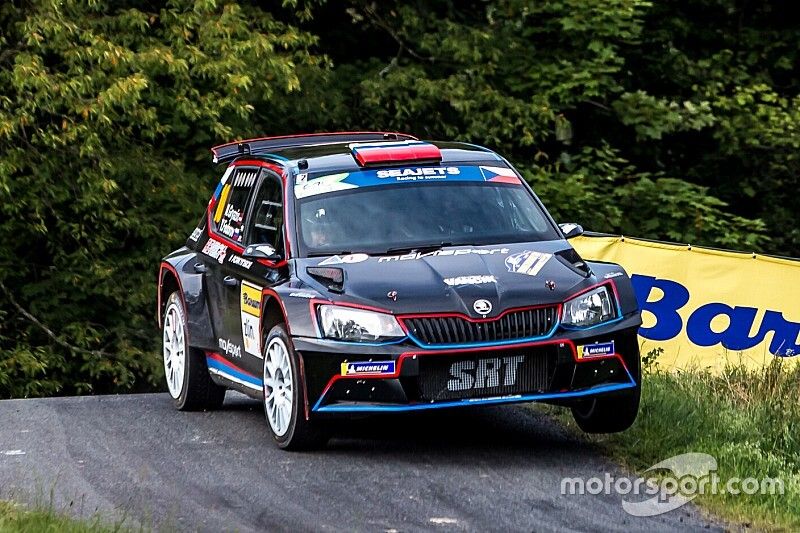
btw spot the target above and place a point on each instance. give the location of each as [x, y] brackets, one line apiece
[333, 152]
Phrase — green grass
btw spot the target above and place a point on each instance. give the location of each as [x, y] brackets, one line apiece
[18, 519]
[749, 420]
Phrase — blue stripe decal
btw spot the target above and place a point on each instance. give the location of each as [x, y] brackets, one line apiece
[213, 363]
[463, 403]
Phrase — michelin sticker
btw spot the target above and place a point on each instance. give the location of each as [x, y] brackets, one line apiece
[368, 368]
[596, 349]
[251, 317]
[345, 259]
[527, 262]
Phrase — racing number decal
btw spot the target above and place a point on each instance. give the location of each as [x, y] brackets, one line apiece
[251, 316]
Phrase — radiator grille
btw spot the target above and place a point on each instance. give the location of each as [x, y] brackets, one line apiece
[524, 324]
[483, 375]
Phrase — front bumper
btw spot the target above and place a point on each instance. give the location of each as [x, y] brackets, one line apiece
[411, 378]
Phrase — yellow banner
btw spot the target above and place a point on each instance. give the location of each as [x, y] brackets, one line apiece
[707, 307]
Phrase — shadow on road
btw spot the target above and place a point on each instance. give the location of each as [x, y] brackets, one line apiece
[502, 430]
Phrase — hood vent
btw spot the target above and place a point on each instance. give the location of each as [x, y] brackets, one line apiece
[332, 278]
[571, 259]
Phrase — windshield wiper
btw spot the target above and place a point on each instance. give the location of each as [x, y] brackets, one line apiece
[326, 254]
[420, 248]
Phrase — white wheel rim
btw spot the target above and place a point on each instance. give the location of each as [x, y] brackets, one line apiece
[278, 386]
[174, 350]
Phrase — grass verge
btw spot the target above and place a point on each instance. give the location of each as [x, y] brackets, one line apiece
[18, 519]
[749, 420]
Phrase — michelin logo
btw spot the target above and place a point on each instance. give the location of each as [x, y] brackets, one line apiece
[595, 350]
[368, 368]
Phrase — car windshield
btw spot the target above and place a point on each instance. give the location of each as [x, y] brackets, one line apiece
[392, 218]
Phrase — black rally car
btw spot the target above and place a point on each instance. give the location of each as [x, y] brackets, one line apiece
[345, 273]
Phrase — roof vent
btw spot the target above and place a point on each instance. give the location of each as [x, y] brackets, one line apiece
[395, 153]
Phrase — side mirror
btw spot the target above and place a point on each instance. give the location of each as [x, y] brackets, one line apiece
[571, 230]
[262, 251]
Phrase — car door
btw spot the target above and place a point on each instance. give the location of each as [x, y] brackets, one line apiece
[246, 277]
[224, 248]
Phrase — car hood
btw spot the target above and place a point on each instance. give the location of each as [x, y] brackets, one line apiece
[454, 278]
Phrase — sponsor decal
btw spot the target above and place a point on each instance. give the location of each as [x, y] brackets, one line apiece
[469, 280]
[239, 261]
[245, 178]
[322, 185]
[744, 330]
[345, 259]
[231, 223]
[229, 348]
[251, 317]
[302, 294]
[223, 198]
[482, 307]
[195, 234]
[215, 250]
[527, 262]
[419, 173]
[596, 349]
[500, 175]
[442, 253]
[368, 368]
[614, 275]
[312, 186]
[485, 373]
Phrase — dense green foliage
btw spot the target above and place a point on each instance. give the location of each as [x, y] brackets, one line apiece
[671, 120]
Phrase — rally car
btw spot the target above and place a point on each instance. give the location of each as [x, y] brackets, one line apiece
[344, 274]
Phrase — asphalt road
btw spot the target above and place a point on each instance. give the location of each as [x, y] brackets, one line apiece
[490, 469]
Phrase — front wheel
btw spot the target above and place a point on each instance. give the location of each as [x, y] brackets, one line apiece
[188, 381]
[610, 414]
[284, 395]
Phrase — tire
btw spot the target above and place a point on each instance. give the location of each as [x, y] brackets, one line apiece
[284, 395]
[188, 381]
[610, 414]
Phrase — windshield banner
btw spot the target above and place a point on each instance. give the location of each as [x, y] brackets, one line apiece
[311, 186]
[707, 307]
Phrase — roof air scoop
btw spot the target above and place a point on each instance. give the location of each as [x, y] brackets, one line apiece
[395, 153]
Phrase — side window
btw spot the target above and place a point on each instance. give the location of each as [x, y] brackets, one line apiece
[267, 223]
[229, 214]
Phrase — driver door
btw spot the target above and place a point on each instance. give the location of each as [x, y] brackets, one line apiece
[246, 277]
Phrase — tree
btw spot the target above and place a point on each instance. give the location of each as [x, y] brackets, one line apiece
[107, 110]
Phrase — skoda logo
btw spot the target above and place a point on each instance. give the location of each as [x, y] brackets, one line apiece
[482, 307]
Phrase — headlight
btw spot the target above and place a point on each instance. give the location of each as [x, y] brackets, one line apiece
[590, 308]
[357, 325]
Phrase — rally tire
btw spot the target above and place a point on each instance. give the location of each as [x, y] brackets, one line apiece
[610, 414]
[195, 391]
[284, 396]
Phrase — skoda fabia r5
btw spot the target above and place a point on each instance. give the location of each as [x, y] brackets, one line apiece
[345, 274]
